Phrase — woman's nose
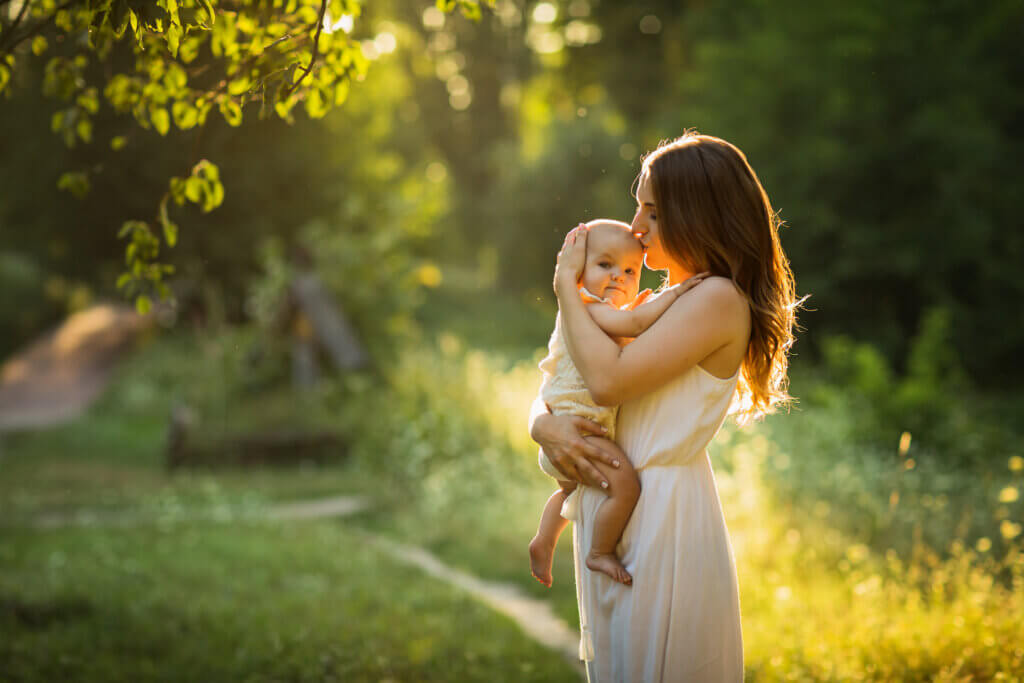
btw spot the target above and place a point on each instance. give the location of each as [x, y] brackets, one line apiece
[638, 226]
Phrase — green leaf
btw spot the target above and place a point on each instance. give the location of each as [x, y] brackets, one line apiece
[39, 45]
[143, 304]
[194, 189]
[231, 111]
[170, 229]
[173, 37]
[178, 187]
[470, 10]
[315, 104]
[119, 18]
[75, 182]
[123, 280]
[341, 92]
[161, 119]
[89, 100]
[239, 85]
[175, 79]
[215, 196]
[118, 142]
[208, 6]
[84, 129]
[185, 115]
[5, 77]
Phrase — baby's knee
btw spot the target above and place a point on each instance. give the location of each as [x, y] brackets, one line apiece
[625, 483]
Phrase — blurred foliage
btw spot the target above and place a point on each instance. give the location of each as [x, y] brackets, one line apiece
[168, 61]
[887, 136]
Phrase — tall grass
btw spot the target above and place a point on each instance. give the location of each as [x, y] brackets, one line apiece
[854, 563]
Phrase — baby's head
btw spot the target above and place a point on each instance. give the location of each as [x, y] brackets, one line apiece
[614, 260]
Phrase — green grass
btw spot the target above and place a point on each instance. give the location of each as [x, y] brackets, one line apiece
[252, 602]
[839, 578]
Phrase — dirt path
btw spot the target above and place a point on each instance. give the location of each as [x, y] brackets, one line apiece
[535, 617]
[59, 375]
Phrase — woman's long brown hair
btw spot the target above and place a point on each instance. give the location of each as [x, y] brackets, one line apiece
[714, 215]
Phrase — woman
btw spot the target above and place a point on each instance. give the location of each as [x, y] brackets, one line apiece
[701, 209]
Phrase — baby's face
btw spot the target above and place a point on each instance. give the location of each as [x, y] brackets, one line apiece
[614, 260]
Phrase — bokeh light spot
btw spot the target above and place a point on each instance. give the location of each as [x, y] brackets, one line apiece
[545, 13]
[650, 25]
[433, 18]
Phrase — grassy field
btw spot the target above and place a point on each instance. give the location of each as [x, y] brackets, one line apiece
[840, 579]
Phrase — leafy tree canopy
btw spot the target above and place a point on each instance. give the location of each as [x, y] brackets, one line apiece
[169, 64]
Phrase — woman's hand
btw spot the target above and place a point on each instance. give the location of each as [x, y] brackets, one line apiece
[572, 258]
[562, 438]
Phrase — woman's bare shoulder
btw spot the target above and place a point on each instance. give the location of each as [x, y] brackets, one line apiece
[720, 294]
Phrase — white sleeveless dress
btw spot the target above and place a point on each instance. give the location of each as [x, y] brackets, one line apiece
[680, 620]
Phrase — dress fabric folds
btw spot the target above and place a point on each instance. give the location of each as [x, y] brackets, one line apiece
[680, 620]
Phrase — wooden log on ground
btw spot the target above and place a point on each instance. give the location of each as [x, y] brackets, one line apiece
[259, 448]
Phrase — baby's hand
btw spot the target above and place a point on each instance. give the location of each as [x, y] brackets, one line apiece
[686, 286]
[640, 298]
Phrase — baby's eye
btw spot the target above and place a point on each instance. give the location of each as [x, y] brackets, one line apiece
[630, 271]
[605, 264]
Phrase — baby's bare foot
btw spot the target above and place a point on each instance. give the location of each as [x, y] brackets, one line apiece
[608, 563]
[542, 554]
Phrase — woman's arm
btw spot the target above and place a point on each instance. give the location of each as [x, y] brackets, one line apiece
[699, 323]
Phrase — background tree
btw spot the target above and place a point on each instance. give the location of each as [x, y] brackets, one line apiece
[168, 62]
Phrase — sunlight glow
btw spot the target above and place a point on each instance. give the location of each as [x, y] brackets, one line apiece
[369, 48]
[433, 18]
[460, 101]
[346, 22]
[457, 85]
[385, 43]
[545, 42]
[508, 14]
[579, 33]
[545, 13]
[436, 172]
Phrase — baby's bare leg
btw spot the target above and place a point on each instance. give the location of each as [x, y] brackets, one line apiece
[612, 517]
[552, 524]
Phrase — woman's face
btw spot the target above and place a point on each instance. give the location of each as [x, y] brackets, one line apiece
[645, 226]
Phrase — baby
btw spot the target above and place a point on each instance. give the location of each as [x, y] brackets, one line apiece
[609, 285]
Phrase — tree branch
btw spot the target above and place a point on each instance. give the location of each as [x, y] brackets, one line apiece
[316, 49]
[7, 48]
[17, 20]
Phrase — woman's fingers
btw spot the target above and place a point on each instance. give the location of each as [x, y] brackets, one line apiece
[597, 449]
[585, 426]
[591, 476]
